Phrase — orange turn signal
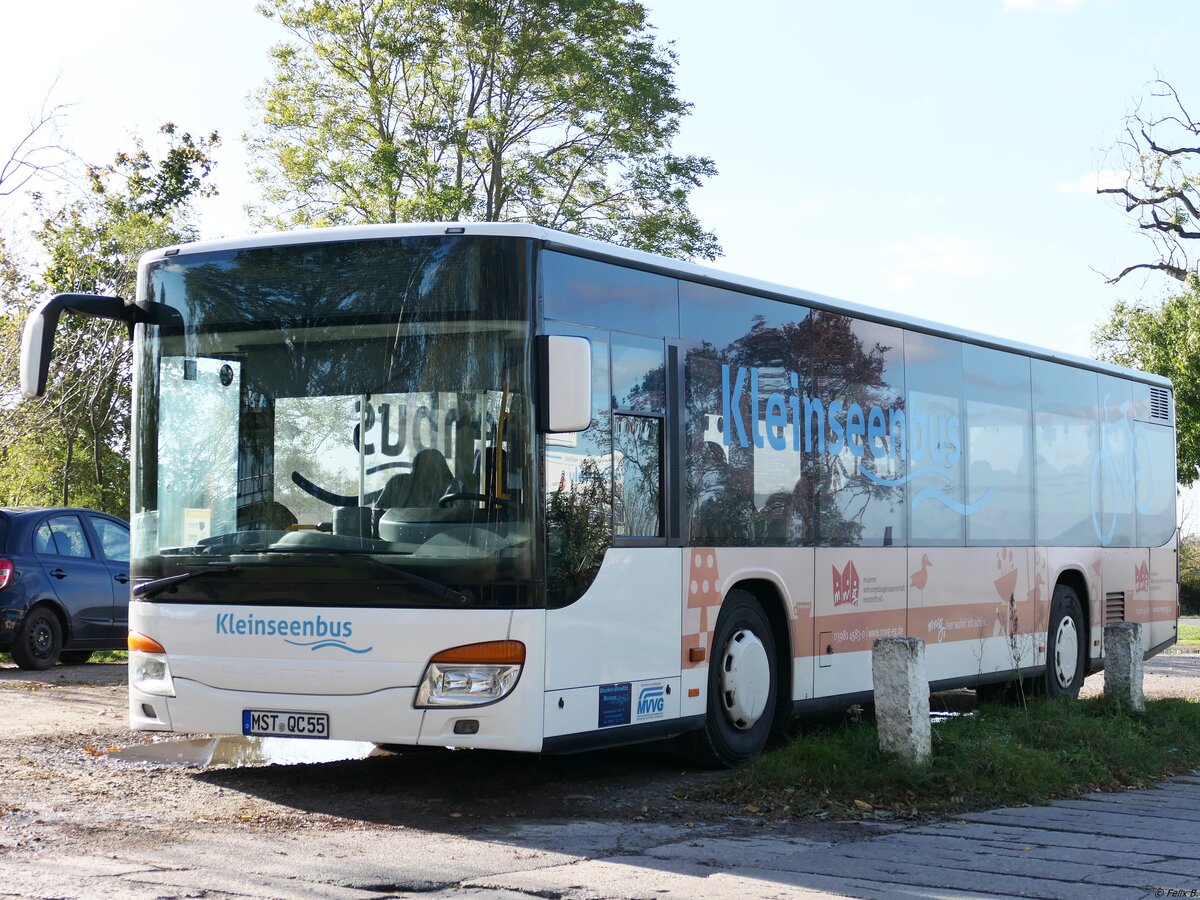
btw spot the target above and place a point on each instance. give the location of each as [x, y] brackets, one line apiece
[139, 641]
[512, 652]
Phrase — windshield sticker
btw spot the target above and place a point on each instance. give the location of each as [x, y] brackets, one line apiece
[325, 633]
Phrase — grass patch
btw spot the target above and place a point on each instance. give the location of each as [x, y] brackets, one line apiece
[1000, 756]
[99, 656]
[1189, 638]
[110, 656]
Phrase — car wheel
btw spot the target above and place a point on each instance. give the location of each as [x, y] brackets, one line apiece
[1066, 648]
[75, 657]
[742, 684]
[39, 640]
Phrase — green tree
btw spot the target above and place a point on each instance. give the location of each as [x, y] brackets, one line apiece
[72, 447]
[557, 112]
[1189, 575]
[1160, 155]
[1163, 339]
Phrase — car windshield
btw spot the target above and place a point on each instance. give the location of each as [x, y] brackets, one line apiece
[355, 409]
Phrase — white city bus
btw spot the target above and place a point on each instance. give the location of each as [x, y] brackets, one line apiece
[496, 486]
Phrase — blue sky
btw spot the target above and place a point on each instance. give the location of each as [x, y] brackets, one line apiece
[935, 158]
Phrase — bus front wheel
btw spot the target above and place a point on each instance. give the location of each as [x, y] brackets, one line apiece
[1066, 646]
[742, 684]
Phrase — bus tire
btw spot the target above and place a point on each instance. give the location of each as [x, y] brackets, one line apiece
[1066, 646]
[743, 684]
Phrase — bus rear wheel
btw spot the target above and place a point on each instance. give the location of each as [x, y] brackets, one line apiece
[1066, 647]
[743, 684]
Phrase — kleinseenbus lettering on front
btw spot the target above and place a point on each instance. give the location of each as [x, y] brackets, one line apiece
[232, 623]
[496, 486]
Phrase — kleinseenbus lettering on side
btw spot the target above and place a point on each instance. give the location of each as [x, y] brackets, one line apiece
[497, 486]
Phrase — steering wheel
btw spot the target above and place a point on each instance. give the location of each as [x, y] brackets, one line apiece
[447, 499]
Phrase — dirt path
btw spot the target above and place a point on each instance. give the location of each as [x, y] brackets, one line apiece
[62, 792]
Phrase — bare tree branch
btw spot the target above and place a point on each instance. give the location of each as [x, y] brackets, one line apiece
[38, 153]
[1162, 187]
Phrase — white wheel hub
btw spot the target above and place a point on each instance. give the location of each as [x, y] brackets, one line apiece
[745, 679]
[1066, 651]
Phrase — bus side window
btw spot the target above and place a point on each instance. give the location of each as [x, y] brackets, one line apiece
[637, 476]
[577, 468]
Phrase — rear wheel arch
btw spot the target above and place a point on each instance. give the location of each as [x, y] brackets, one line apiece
[40, 637]
[52, 604]
[1067, 641]
[1074, 579]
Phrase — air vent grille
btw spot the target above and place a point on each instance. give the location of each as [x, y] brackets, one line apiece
[1114, 607]
[1160, 404]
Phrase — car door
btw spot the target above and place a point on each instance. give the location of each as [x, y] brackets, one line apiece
[80, 579]
[112, 537]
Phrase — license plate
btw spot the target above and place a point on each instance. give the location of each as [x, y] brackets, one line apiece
[278, 723]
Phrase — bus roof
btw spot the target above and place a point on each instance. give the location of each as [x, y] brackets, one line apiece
[558, 240]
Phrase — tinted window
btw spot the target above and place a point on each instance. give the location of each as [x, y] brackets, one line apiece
[114, 539]
[747, 371]
[936, 473]
[1154, 473]
[638, 374]
[578, 484]
[609, 296]
[997, 389]
[1124, 456]
[63, 536]
[637, 482]
[857, 418]
[1066, 440]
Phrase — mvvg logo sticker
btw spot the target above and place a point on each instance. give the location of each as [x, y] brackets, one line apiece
[652, 701]
[845, 585]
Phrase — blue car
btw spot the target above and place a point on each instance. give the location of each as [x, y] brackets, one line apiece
[64, 585]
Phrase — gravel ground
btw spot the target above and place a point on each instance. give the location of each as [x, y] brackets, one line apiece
[63, 783]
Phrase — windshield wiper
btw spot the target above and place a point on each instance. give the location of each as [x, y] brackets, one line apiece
[441, 591]
[158, 585]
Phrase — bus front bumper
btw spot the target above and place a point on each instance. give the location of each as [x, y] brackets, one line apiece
[383, 717]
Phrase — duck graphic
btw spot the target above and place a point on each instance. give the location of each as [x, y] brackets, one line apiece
[920, 578]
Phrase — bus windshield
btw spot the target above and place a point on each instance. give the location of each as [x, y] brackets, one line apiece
[358, 409]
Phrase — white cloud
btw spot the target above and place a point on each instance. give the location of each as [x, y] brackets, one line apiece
[936, 256]
[1042, 5]
[900, 282]
[1090, 183]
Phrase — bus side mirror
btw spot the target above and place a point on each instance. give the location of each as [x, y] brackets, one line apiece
[37, 340]
[566, 383]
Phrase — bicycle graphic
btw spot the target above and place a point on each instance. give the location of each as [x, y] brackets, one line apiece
[1122, 465]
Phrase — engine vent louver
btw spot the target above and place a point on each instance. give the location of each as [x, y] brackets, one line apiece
[1114, 607]
[1160, 404]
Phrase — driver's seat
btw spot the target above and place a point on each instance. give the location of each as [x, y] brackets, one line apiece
[424, 485]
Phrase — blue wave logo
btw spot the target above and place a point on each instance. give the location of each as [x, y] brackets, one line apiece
[929, 493]
[324, 643]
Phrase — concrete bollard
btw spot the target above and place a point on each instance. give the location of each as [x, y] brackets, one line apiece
[902, 698]
[1123, 665]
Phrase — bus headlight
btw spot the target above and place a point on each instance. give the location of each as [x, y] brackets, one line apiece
[149, 671]
[471, 675]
